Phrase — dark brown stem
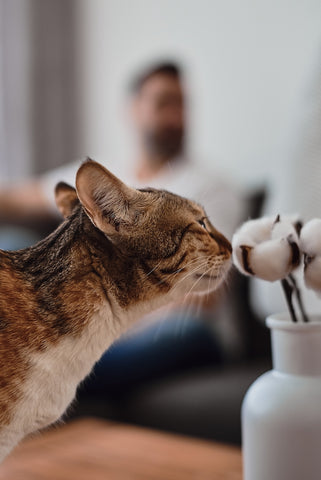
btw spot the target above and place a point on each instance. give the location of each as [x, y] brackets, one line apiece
[299, 298]
[288, 291]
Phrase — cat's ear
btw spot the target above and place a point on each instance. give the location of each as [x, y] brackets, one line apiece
[66, 198]
[110, 204]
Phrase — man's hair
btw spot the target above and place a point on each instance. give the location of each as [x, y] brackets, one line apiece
[164, 68]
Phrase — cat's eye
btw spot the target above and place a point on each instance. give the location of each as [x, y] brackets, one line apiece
[202, 224]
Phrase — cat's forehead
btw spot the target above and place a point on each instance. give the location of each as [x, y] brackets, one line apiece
[171, 201]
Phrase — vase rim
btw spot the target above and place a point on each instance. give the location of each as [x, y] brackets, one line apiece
[282, 321]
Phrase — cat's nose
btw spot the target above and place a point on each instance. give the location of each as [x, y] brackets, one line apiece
[223, 243]
[225, 246]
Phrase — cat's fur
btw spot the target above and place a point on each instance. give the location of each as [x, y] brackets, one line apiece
[119, 254]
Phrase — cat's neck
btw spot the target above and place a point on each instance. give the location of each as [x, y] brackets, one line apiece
[80, 272]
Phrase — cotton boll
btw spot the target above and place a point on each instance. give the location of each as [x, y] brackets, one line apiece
[269, 260]
[241, 255]
[285, 227]
[310, 242]
[310, 238]
[272, 260]
[267, 248]
[246, 238]
[253, 232]
[312, 274]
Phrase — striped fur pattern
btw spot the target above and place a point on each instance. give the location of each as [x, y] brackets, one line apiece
[119, 254]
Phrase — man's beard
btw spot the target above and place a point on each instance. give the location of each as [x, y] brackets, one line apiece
[165, 143]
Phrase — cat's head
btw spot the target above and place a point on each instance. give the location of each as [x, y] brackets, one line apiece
[169, 236]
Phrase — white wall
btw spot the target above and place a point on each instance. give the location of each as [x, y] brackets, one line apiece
[248, 61]
[38, 91]
[15, 90]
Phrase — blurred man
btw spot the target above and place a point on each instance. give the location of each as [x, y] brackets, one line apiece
[158, 114]
[157, 106]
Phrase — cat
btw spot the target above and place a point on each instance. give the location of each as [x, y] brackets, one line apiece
[119, 254]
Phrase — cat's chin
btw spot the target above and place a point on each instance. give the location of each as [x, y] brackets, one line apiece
[202, 284]
[207, 284]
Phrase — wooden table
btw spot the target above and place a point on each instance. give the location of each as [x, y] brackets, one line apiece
[99, 450]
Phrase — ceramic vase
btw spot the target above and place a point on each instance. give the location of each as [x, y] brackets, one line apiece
[281, 412]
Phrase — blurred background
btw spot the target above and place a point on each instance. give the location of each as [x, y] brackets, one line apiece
[252, 72]
[65, 67]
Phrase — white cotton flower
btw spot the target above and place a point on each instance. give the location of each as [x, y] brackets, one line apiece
[267, 247]
[310, 243]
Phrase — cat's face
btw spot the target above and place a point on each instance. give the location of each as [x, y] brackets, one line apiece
[173, 237]
[175, 245]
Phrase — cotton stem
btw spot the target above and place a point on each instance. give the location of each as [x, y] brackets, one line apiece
[288, 291]
[299, 298]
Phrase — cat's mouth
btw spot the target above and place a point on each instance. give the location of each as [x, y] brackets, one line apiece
[207, 275]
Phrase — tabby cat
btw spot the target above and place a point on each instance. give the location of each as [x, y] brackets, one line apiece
[119, 254]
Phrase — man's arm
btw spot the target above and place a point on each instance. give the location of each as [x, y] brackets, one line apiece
[24, 203]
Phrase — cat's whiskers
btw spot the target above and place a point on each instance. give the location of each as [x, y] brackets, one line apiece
[217, 263]
[168, 275]
[185, 314]
[190, 273]
[198, 280]
[224, 280]
[160, 324]
[196, 305]
[153, 269]
[200, 266]
[167, 313]
[199, 302]
[192, 305]
[186, 298]
[181, 313]
[208, 289]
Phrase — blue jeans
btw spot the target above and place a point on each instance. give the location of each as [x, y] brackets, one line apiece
[16, 238]
[161, 349]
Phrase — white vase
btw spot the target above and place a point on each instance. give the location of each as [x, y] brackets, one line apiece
[281, 412]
